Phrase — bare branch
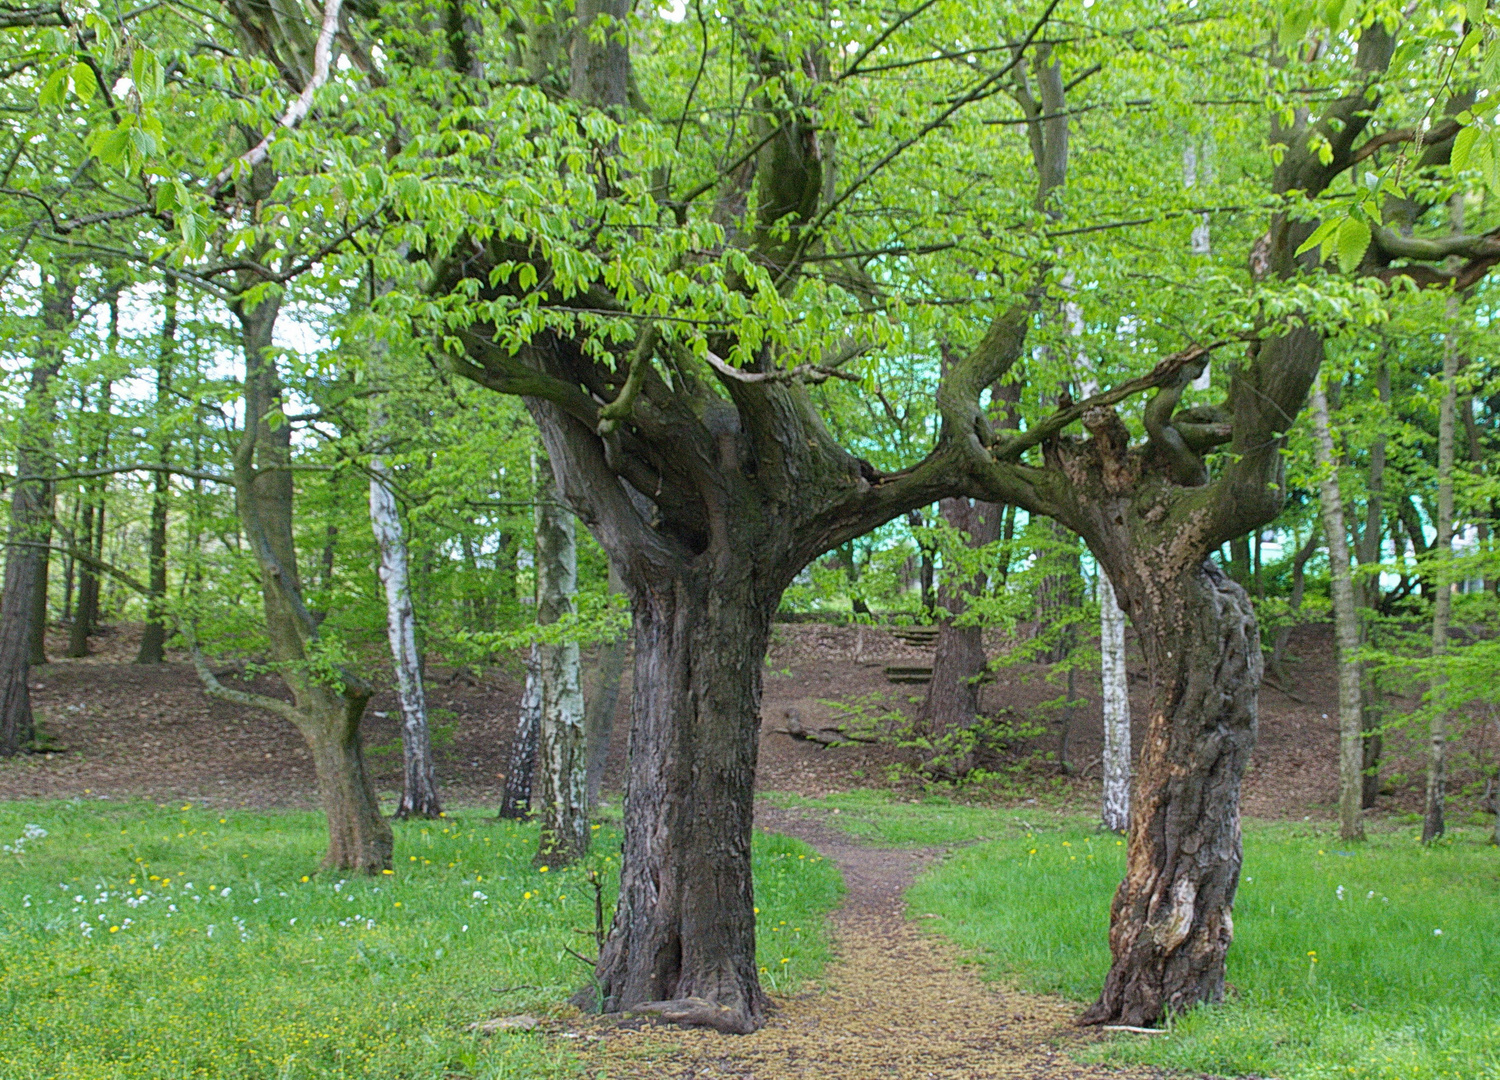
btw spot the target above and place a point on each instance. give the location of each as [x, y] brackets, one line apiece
[322, 57]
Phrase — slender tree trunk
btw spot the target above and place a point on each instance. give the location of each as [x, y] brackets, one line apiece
[1113, 674]
[31, 523]
[952, 702]
[1170, 924]
[1442, 548]
[1346, 624]
[154, 636]
[1369, 553]
[516, 801]
[419, 792]
[603, 702]
[560, 749]
[86, 618]
[326, 711]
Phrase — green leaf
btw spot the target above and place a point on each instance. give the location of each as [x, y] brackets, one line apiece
[54, 90]
[166, 198]
[1476, 12]
[1353, 239]
[84, 83]
[1318, 235]
[1491, 161]
[1463, 143]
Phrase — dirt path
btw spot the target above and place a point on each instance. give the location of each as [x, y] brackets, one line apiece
[898, 1004]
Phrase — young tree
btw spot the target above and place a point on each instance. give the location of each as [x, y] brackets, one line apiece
[154, 634]
[419, 795]
[1346, 624]
[1116, 759]
[561, 764]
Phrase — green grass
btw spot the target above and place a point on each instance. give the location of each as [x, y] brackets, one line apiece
[213, 950]
[882, 817]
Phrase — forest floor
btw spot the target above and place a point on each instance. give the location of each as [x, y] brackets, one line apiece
[127, 731]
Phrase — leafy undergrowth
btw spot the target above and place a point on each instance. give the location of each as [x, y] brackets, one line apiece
[889, 819]
[145, 941]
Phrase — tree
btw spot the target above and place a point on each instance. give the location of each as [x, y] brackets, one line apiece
[419, 795]
[23, 606]
[561, 763]
[1346, 626]
[154, 634]
[1116, 758]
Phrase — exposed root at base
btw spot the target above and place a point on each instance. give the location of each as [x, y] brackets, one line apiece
[700, 1012]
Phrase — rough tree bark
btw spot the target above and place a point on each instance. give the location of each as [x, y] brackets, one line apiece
[419, 790]
[1442, 602]
[154, 635]
[602, 703]
[564, 836]
[952, 702]
[1113, 675]
[31, 517]
[1345, 621]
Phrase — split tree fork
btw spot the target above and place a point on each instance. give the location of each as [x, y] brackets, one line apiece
[712, 489]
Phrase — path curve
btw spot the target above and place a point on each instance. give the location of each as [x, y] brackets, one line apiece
[896, 1004]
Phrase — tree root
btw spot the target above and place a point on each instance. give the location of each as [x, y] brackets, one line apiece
[700, 1012]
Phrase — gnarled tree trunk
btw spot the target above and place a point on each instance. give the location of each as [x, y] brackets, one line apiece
[1170, 923]
[684, 930]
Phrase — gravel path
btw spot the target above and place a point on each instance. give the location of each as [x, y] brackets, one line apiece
[897, 1005]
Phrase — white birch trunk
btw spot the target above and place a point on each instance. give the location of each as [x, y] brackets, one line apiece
[1116, 765]
[1345, 623]
[419, 796]
[562, 771]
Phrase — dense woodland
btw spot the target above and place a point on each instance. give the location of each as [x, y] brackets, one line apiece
[344, 337]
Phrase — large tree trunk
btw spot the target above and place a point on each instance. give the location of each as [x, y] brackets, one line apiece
[684, 931]
[1345, 621]
[21, 625]
[515, 802]
[419, 793]
[952, 703]
[564, 836]
[1114, 676]
[1442, 605]
[1170, 923]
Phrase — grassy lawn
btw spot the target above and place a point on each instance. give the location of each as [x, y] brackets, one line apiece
[145, 941]
[1379, 960]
